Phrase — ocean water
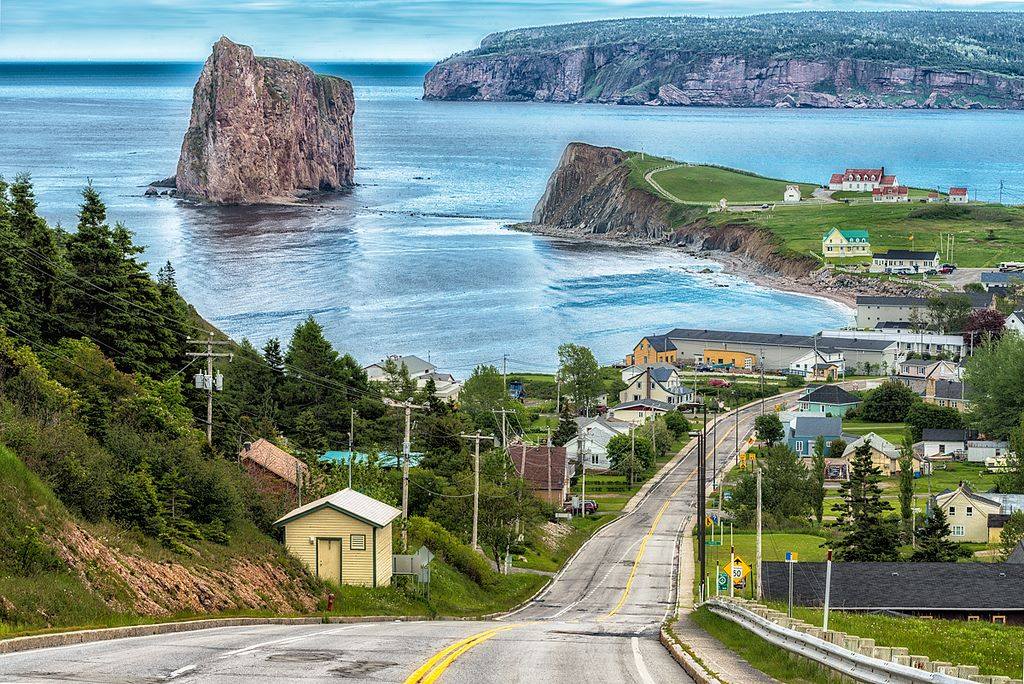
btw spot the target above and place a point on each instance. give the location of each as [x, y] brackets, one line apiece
[416, 258]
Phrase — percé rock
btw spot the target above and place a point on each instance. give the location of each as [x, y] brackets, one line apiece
[265, 129]
[806, 59]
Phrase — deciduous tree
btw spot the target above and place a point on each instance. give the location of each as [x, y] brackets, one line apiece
[768, 428]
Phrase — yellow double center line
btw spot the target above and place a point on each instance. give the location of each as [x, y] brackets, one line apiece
[647, 537]
[440, 661]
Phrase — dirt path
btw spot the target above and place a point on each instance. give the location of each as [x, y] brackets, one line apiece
[649, 178]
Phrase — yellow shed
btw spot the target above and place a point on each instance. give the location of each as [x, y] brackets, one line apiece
[739, 359]
[344, 538]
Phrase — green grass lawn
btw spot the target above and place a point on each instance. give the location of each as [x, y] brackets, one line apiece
[985, 234]
[995, 649]
[766, 657]
[708, 184]
[949, 475]
[774, 546]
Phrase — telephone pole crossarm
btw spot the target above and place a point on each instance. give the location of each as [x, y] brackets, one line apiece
[206, 380]
[406, 449]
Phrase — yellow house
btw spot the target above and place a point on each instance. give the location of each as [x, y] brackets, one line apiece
[653, 349]
[845, 243]
[344, 538]
[968, 514]
[738, 359]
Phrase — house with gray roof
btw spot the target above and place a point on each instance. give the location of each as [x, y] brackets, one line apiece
[659, 383]
[827, 400]
[990, 592]
[803, 431]
[593, 435]
[872, 309]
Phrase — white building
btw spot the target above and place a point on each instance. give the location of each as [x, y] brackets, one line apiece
[594, 435]
[420, 372]
[890, 194]
[939, 443]
[907, 342]
[792, 194]
[818, 362]
[979, 450]
[1015, 322]
[958, 196]
[861, 180]
[904, 261]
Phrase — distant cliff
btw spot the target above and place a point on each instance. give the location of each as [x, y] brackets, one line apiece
[811, 59]
[265, 129]
[590, 194]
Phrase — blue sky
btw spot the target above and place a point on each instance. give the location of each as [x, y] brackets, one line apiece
[342, 30]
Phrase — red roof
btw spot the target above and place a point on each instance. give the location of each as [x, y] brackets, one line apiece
[889, 190]
[531, 463]
[888, 180]
[836, 178]
[959, 192]
[864, 174]
[274, 460]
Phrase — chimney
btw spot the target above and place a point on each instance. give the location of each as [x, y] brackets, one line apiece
[247, 446]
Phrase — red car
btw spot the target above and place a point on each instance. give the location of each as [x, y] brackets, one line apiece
[946, 269]
[715, 382]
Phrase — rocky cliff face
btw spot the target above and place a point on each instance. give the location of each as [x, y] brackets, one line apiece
[590, 194]
[630, 73]
[265, 129]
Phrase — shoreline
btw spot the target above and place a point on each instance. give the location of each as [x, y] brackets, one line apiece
[731, 264]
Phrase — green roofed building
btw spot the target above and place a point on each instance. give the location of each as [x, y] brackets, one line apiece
[845, 243]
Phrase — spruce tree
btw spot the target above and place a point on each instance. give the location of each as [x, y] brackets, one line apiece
[933, 543]
[817, 479]
[41, 259]
[907, 486]
[865, 533]
[15, 293]
[567, 428]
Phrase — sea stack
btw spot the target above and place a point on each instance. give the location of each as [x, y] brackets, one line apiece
[265, 130]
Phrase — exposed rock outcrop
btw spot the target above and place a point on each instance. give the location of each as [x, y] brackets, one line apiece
[798, 59]
[265, 129]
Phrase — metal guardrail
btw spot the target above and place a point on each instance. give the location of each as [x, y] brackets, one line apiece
[857, 666]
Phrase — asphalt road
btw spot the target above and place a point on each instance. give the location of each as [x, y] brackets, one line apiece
[597, 622]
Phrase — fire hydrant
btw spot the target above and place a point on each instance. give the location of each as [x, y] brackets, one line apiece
[330, 602]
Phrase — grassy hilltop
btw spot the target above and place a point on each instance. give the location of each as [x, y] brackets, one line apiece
[985, 234]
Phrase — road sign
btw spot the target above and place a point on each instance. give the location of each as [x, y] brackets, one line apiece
[791, 556]
[723, 581]
[708, 522]
[728, 495]
[712, 542]
[714, 519]
[740, 569]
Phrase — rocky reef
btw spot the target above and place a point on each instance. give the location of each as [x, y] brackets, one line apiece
[265, 130]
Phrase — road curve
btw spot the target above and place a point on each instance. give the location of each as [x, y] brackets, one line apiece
[597, 622]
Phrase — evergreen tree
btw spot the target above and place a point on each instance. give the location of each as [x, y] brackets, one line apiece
[933, 543]
[818, 479]
[906, 463]
[273, 355]
[115, 302]
[864, 532]
[319, 380]
[166, 276]
[248, 399]
[41, 259]
[15, 291]
[567, 428]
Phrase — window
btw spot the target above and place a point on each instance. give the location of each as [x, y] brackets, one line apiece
[952, 511]
[799, 447]
[969, 511]
[357, 542]
[958, 530]
[998, 619]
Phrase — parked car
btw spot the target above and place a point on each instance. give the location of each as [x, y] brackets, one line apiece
[590, 505]
[946, 269]
[931, 271]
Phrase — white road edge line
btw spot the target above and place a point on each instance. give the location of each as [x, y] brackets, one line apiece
[182, 670]
[641, 667]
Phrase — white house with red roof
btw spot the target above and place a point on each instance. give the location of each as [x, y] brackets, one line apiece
[890, 193]
[861, 180]
[958, 195]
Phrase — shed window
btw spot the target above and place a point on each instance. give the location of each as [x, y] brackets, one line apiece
[969, 511]
[952, 511]
[958, 530]
[357, 542]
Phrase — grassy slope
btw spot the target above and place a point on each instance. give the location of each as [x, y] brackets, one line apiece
[995, 649]
[800, 227]
[43, 595]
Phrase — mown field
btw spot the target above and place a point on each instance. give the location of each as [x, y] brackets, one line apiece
[984, 234]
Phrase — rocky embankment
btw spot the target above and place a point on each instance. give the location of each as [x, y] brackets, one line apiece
[265, 129]
[590, 196]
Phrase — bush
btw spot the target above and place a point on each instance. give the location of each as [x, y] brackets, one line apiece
[795, 381]
[677, 424]
[446, 546]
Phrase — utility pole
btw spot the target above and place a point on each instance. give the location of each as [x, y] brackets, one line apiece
[406, 449]
[757, 552]
[583, 463]
[736, 414]
[351, 437]
[761, 364]
[702, 503]
[207, 381]
[632, 453]
[1000, 191]
[504, 399]
[476, 483]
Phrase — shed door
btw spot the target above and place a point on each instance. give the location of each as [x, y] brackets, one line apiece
[328, 559]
